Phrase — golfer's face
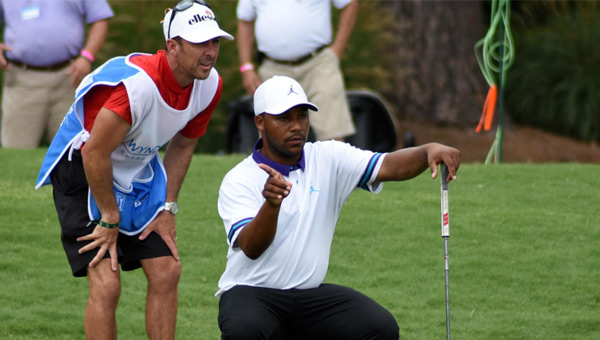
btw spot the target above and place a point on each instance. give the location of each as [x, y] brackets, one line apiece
[286, 133]
[199, 59]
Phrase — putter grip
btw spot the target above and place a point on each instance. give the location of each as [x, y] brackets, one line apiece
[444, 171]
[444, 200]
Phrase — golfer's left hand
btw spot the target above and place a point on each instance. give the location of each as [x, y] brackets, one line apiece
[439, 153]
[164, 226]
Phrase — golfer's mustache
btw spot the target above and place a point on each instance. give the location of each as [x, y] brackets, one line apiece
[296, 135]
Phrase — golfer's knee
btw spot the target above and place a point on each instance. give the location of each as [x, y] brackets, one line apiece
[383, 326]
[389, 330]
[242, 329]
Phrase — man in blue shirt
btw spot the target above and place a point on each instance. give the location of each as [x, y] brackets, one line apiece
[47, 55]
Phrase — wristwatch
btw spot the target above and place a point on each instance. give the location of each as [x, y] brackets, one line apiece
[172, 207]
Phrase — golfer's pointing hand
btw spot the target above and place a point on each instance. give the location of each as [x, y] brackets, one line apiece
[276, 187]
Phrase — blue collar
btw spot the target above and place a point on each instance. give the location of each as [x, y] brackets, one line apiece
[281, 168]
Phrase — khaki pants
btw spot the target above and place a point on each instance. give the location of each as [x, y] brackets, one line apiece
[33, 103]
[323, 83]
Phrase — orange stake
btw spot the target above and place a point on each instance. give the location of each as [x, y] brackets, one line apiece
[487, 116]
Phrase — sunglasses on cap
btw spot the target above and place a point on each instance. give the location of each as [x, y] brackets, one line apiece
[182, 6]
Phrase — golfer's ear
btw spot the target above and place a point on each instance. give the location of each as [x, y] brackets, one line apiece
[259, 121]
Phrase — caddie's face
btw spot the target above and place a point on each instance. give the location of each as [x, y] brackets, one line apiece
[284, 135]
[197, 60]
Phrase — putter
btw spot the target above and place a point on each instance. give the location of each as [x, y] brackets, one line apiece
[445, 235]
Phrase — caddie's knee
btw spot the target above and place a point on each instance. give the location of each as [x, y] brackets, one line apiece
[164, 275]
[105, 288]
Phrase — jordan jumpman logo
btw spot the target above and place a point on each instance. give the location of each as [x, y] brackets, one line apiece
[292, 90]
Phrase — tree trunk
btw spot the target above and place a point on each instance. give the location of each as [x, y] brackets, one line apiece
[435, 72]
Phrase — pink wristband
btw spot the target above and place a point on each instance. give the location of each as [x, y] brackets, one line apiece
[87, 55]
[246, 67]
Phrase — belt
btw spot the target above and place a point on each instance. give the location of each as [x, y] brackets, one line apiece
[300, 60]
[52, 67]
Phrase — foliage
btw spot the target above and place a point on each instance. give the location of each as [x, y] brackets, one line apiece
[136, 28]
[523, 256]
[552, 83]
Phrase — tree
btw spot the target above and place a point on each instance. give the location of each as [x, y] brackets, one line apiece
[435, 73]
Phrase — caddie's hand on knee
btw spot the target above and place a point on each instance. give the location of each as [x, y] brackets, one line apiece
[106, 239]
[164, 226]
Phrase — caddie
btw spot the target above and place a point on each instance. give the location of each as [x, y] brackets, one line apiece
[116, 199]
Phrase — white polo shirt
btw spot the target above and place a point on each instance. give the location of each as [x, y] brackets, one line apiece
[299, 255]
[289, 29]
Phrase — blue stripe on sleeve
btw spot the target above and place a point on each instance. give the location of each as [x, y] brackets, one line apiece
[368, 171]
[236, 226]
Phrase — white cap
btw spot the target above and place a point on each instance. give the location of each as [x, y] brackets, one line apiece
[279, 94]
[196, 24]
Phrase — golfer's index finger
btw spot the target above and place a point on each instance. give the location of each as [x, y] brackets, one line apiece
[272, 172]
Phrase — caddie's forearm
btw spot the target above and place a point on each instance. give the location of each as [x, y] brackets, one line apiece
[177, 162]
[98, 171]
[258, 235]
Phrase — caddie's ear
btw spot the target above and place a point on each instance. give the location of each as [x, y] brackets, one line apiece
[172, 46]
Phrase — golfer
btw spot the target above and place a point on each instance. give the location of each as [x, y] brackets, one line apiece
[116, 200]
[280, 206]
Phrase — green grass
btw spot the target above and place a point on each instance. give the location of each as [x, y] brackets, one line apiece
[523, 254]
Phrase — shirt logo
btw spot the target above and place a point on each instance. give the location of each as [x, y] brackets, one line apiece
[120, 197]
[133, 151]
[312, 189]
[292, 90]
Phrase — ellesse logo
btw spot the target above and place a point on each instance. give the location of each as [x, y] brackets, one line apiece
[197, 18]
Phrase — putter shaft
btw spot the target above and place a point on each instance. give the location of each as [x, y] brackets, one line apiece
[445, 222]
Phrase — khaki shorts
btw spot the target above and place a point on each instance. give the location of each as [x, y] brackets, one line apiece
[321, 79]
[33, 103]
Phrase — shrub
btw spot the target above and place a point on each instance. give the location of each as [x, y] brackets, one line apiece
[552, 84]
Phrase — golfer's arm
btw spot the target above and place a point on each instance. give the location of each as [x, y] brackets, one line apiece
[259, 233]
[107, 133]
[403, 164]
[245, 41]
[407, 163]
[177, 162]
